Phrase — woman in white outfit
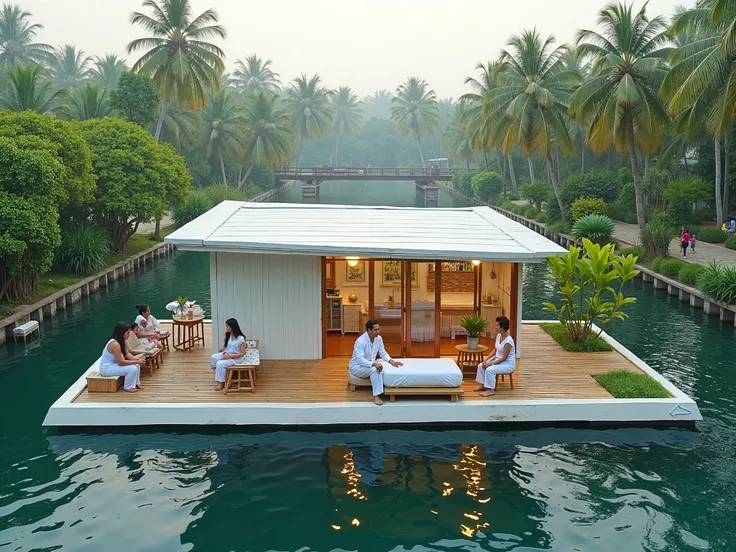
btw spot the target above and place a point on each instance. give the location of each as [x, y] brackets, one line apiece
[233, 349]
[502, 360]
[145, 331]
[116, 361]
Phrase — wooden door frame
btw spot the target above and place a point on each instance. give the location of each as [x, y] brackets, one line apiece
[323, 302]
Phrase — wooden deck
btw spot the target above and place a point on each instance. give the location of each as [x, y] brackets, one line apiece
[544, 372]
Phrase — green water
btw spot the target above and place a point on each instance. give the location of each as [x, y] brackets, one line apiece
[524, 489]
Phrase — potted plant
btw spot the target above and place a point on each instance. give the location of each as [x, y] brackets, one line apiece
[474, 324]
[182, 302]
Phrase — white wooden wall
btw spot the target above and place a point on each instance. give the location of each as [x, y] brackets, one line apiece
[275, 298]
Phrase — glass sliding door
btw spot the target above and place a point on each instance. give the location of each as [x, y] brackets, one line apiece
[422, 312]
[388, 304]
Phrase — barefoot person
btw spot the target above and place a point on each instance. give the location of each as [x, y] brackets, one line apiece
[364, 363]
[116, 361]
[232, 350]
[501, 360]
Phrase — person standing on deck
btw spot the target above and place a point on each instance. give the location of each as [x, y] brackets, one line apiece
[364, 363]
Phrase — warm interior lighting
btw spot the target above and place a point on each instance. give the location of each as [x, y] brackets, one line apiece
[475, 263]
[352, 261]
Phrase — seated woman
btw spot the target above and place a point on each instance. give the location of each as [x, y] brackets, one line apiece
[143, 329]
[233, 349]
[147, 321]
[116, 361]
[501, 360]
[137, 346]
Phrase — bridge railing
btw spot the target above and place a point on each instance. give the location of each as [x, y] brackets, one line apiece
[361, 171]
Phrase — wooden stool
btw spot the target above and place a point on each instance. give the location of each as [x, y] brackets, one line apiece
[242, 376]
[164, 339]
[97, 383]
[153, 361]
[503, 376]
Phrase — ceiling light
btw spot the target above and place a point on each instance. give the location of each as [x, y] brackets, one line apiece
[475, 263]
[352, 261]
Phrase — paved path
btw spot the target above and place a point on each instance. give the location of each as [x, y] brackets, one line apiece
[149, 227]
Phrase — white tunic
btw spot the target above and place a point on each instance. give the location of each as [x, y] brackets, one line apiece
[365, 351]
[147, 329]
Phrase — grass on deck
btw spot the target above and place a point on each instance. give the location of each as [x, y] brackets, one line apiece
[628, 385]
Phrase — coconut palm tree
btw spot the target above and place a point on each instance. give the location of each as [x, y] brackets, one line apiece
[269, 135]
[348, 117]
[377, 104]
[457, 137]
[92, 101]
[255, 74]
[311, 111]
[221, 132]
[69, 67]
[414, 110]
[180, 128]
[27, 87]
[528, 109]
[620, 98]
[107, 70]
[17, 36]
[177, 56]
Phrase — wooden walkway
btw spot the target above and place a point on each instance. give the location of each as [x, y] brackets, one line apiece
[545, 372]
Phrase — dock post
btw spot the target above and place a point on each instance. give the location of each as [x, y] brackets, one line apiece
[696, 301]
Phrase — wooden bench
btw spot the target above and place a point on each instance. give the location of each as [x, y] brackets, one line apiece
[97, 383]
[24, 330]
[453, 392]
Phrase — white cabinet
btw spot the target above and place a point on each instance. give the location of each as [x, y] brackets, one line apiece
[352, 318]
[334, 313]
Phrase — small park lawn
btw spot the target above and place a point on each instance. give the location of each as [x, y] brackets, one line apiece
[631, 385]
[592, 344]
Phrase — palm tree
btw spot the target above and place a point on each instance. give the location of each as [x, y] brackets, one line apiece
[528, 109]
[414, 110]
[222, 125]
[28, 88]
[107, 70]
[620, 98]
[180, 128]
[17, 35]
[255, 74]
[270, 135]
[348, 116]
[311, 111]
[445, 107]
[177, 55]
[89, 102]
[69, 67]
[377, 104]
[457, 137]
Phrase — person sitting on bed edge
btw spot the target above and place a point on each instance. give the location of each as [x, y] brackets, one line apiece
[364, 363]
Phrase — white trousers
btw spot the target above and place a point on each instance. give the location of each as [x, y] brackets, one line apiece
[132, 373]
[487, 376]
[220, 366]
[374, 374]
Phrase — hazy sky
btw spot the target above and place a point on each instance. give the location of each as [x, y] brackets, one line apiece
[365, 44]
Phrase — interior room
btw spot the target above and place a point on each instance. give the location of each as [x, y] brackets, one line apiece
[358, 289]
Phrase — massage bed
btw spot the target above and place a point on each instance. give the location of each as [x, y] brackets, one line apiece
[418, 376]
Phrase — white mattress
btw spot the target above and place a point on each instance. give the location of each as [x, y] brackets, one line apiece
[422, 372]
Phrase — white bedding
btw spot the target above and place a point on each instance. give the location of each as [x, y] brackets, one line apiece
[422, 372]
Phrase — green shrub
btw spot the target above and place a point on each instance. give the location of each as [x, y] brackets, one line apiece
[530, 212]
[657, 264]
[558, 227]
[592, 343]
[681, 195]
[603, 184]
[487, 185]
[536, 192]
[507, 205]
[710, 235]
[588, 206]
[631, 218]
[623, 384]
[730, 242]
[689, 273]
[627, 197]
[219, 192]
[541, 217]
[513, 196]
[656, 239]
[462, 182]
[197, 204]
[654, 213]
[705, 214]
[262, 176]
[718, 282]
[84, 250]
[636, 251]
[671, 267]
[597, 228]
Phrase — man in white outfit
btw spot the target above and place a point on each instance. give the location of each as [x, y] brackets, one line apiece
[364, 363]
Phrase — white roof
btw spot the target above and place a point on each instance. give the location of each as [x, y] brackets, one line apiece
[378, 232]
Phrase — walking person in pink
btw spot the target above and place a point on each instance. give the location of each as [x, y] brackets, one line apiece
[685, 242]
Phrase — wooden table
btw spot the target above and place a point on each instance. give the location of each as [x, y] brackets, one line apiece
[470, 358]
[187, 332]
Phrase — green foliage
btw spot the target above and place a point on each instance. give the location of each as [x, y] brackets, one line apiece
[654, 186]
[730, 242]
[617, 212]
[84, 250]
[623, 384]
[463, 182]
[262, 176]
[219, 192]
[558, 227]
[536, 192]
[656, 238]
[636, 251]
[597, 228]
[718, 282]
[602, 184]
[681, 196]
[591, 344]
[627, 197]
[541, 217]
[506, 204]
[474, 324]
[530, 212]
[671, 267]
[136, 98]
[710, 235]
[200, 170]
[197, 204]
[487, 185]
[584, 206]
[689, 273]
[590, 282]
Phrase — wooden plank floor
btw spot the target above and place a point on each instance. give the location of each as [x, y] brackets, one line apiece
[545, 372]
